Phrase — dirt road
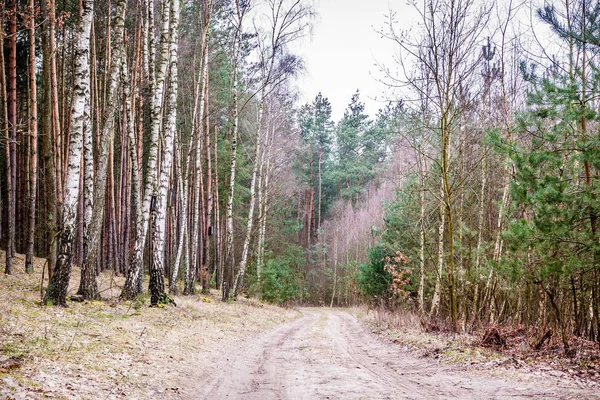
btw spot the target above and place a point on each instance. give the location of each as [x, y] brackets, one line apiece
[328, 354]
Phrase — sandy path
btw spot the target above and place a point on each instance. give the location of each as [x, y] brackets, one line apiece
[328, 354]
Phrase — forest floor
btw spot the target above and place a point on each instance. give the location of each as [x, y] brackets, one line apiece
[204, 348]
[116, 350]
[499, 350]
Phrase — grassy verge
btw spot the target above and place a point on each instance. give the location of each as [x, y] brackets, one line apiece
[111, 349]
[473, 351]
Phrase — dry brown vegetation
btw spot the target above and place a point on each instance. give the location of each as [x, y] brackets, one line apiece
[110, 349]
[493, 348]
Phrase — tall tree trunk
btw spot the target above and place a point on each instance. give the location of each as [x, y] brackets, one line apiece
[437, 292]
[157, 268]
[217, 229]
[33, 137]
[57, 288]
[48, 158]
[263, 197]
[181, 220]
[155, 79]
[209, 197]
[88, 287]
[131, 288]
[421, 291]
[206, 261]
[229, 254]
[54, 103]
[320, 189]
[257, 161]
[3, 104]
[11, 116]
[449, 216]
[197, 129]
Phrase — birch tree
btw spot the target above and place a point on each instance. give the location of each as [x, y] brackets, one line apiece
[156, 78]
[157, 268]
[88, 287]
[450, 30]
[57, 288]
[241, 9]
[198, 128]
[290, 21]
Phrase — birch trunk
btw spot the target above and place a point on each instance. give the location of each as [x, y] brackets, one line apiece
[217, 230]
[229, 256]
[157, 267]
[209, 198]
[156, 77]
[57, 288]
[257, 161]
[197, 129]
[263, 195]
[209, 192]
[88, 287]
[181, 218]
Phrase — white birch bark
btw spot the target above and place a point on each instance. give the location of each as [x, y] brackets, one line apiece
[181, 216]
[197, 134]
[57, 288]
[88, 286]
[157, 267]
[263, 198]
[229, 256]
[156, 78]
[250, 221]
[287, 25]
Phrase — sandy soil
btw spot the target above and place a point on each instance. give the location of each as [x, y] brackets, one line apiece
[112, 350]
[329, 354]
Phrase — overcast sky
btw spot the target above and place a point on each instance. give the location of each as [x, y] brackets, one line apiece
[342, 53]
[344, 49]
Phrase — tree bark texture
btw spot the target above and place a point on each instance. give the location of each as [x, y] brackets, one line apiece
[57, 288]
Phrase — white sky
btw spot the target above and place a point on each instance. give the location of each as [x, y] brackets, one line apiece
[344, 49]
[342, 54]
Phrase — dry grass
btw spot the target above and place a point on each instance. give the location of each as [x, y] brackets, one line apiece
[429, 338]
[110, 349]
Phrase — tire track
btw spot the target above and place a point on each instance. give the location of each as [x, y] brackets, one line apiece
[329, 354]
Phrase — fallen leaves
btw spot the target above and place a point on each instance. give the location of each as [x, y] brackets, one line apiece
[499, 347]
[10, 364]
